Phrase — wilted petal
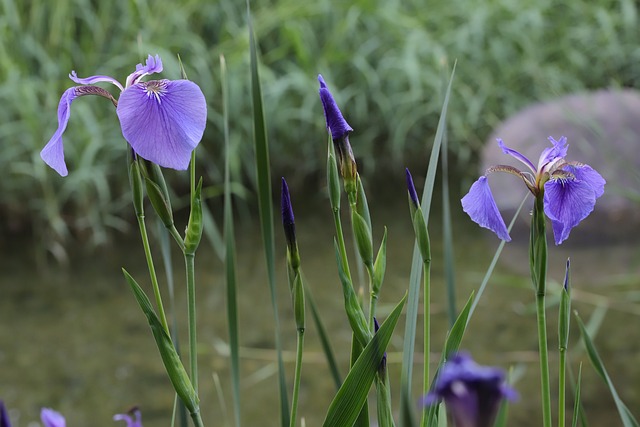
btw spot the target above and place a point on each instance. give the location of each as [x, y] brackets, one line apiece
[163, 120]
[567, 201]
[589, 175]
[53, 152]
[549, 154]
[517, 155]
[480, 205]
[51, 418]
[336, 123]
[94, 79]
[153, 65]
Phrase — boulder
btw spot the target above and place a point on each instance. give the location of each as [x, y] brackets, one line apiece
[603, 131]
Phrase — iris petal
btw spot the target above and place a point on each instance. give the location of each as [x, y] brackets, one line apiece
[481, 207]
[517, 155]
[152, 65]
[51, 418]
[53, 152]
[549, 154]
[94, 79]
[567, 201]
[163, 120]
[336, 123]
[589, 175]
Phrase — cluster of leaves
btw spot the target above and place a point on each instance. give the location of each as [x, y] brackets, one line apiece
[387, 56]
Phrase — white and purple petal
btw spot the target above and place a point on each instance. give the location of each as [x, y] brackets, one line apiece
[94, 79]
[163, 120]
[567, 201]
[517, 155]
[152, 65]
[550, 154]
[53, 152]
[51, 418]
[480, 205]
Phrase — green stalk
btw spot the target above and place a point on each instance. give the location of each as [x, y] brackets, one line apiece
[152, 270]
[561, 387]
[189, 260]
[296, 378]
[197, 419]
[538, 265]
[427, 335]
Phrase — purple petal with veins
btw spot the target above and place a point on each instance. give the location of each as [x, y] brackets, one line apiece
[53, 152]
[518, 156]
[481, 207]
[163, 120]
[558, 151]
[567, 201]
[94, 79]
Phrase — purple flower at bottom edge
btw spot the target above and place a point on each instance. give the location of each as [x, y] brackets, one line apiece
[51, 418]
[162, 120]
[133, 418]
[4, 416]
[472, 393]
[569, 190]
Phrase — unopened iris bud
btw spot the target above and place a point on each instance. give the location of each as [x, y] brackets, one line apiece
[413, 196]
[339, 129]
[193, 234]
[417, 218]
[289, 226]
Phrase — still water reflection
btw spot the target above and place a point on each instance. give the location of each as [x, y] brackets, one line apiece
[76, 341]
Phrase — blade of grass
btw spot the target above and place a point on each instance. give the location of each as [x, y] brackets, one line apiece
[625, 414]
[263, 177]
[348, 401]
[230, 253]
[577, 408]
[447, 234]
[406, 402]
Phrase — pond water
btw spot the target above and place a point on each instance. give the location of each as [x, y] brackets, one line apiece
[74, 339]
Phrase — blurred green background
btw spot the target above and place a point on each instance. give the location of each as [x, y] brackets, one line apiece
[385, 61]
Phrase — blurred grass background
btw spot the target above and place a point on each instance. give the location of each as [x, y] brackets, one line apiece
[383, 60]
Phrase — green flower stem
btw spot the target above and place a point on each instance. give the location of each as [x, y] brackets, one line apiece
[177, 237]
[561, 387]
[538, 265]
[426, 266]
[197, 419]
[189, 260]
[152, 271]
[297, 377]
[341, 246]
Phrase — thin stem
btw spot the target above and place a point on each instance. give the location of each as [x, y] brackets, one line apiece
[340, 238]
[177, 237]
[544, 360]
[427, 335]
[152, 271]
[296, 379]
[189, 260]
[561, 387]
[373, 299]
[197, 419]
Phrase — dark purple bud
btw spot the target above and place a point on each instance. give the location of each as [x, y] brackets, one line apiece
[336, 124]
[566, 275]
[472, 393]
[4, 416]
[383, 363]
[411, 188]
[288, 221]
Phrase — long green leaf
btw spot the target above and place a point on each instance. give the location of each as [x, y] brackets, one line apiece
[345, 407]
[625, 414]
[447, 235]
[406, 401]
[263, 177]
[576, 402]
[230, 253]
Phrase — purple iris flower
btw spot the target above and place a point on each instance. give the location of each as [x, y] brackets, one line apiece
[336, 123]
[51, 418]
[569, 190]
[472, 393]
[133, 418]
[162, 120]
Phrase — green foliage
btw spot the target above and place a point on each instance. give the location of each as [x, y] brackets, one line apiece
[387, 58]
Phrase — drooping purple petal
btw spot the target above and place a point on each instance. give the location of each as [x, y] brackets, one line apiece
[4, 416]
[336, 123]
[51, 418]
[480, 205]
[153, 65]
[567, 201]
[94, 79]
[163, 120]
[411, 188]
[557, 151]
[53, 152]
[518, 156]
[589, 175]
[131, 421]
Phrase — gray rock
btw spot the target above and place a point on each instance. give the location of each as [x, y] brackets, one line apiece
[603, 131]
